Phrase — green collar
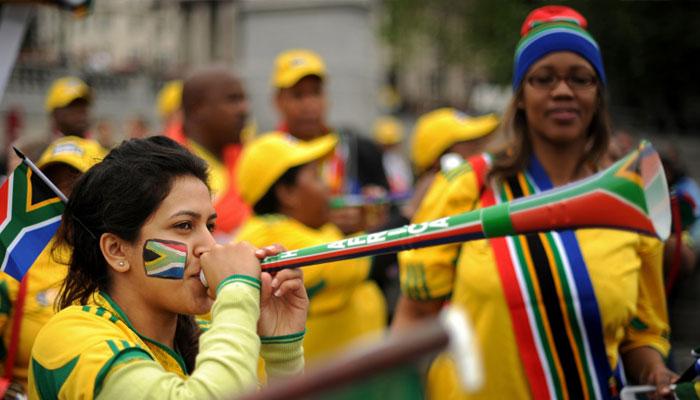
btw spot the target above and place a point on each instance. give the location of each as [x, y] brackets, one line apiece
[121, 315]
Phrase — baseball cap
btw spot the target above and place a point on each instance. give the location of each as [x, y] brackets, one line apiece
[169, 98]
[292, 65]
[65, 90]
[77, 152]
[268, 157]
[437, 130]
[388, 131]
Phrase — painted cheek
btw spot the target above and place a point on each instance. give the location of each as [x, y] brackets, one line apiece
[164, 259]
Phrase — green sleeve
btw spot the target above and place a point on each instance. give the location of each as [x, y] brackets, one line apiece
[227, 360]
[283, 355]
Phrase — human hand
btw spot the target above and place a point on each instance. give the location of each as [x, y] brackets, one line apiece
[283, 299]
[224, 260]
[348, 219]
[661, 377]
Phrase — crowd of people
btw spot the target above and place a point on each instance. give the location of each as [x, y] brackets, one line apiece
[152, 286]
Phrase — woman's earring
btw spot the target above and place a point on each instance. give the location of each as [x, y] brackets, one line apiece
[121, 263]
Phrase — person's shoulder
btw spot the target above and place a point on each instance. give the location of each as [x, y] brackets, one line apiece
[81, 327]
[75, 350]
[461, 175]
[456, 189]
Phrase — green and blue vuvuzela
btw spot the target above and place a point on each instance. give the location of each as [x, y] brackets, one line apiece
[631, 195]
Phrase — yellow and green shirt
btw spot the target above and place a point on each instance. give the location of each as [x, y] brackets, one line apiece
[624, 268]
[44, 280]
[92, 351]
[344, 304]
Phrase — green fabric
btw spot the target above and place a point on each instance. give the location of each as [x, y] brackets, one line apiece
[5, 302]
[245, 279]
[638, 324]
[399, 383]
[124, 318]
[688, 391]
[50, 381]
[313, 290]
[227, 360]
[122, 357]
[283, 338]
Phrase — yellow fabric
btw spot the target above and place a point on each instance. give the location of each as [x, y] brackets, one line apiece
[268, 157]
[218, 173]
[92, 351]
[292, 65]
[437, 130]
[44, 280]
[92, 337]
[625, 270]
[169, 98]
[65, 90]
[77, 152]
[344, 305]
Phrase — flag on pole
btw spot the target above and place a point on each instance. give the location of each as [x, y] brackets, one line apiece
[30, 213]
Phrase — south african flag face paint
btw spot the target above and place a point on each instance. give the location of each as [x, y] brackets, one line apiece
[164, 258]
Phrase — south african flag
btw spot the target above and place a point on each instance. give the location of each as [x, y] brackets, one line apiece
[30, 213]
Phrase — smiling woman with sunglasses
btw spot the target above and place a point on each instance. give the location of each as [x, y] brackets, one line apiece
[555, 312]
[140, 225]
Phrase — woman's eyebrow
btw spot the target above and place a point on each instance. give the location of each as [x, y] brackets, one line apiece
[188, 213]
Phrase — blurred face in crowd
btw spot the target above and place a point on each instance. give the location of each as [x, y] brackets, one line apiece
[559, 97]
[307, 200]
[224, 110]
[73, 119]
[187, 216]
[63, 176]
[303, 108]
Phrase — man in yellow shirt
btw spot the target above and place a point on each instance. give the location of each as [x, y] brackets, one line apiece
[68, 103]
[215, 111]
[64, 161]
[355, 166]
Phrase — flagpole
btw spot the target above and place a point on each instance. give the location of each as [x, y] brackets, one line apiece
[41, 175]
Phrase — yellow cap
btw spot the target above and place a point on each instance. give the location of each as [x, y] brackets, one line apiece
[79, 153]
[388, 131]
[65, 90]
[292, 65]
[268, 157]
[437, 130]
[169, 98]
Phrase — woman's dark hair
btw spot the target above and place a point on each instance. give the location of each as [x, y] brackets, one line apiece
[117, 196]
[508, 163]
[269, 204]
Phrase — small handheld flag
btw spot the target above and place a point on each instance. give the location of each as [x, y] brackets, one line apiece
[30, 213]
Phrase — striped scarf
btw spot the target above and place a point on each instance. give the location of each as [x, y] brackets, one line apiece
[553, 307]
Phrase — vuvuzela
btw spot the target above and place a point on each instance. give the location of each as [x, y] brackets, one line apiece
[631, 195]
